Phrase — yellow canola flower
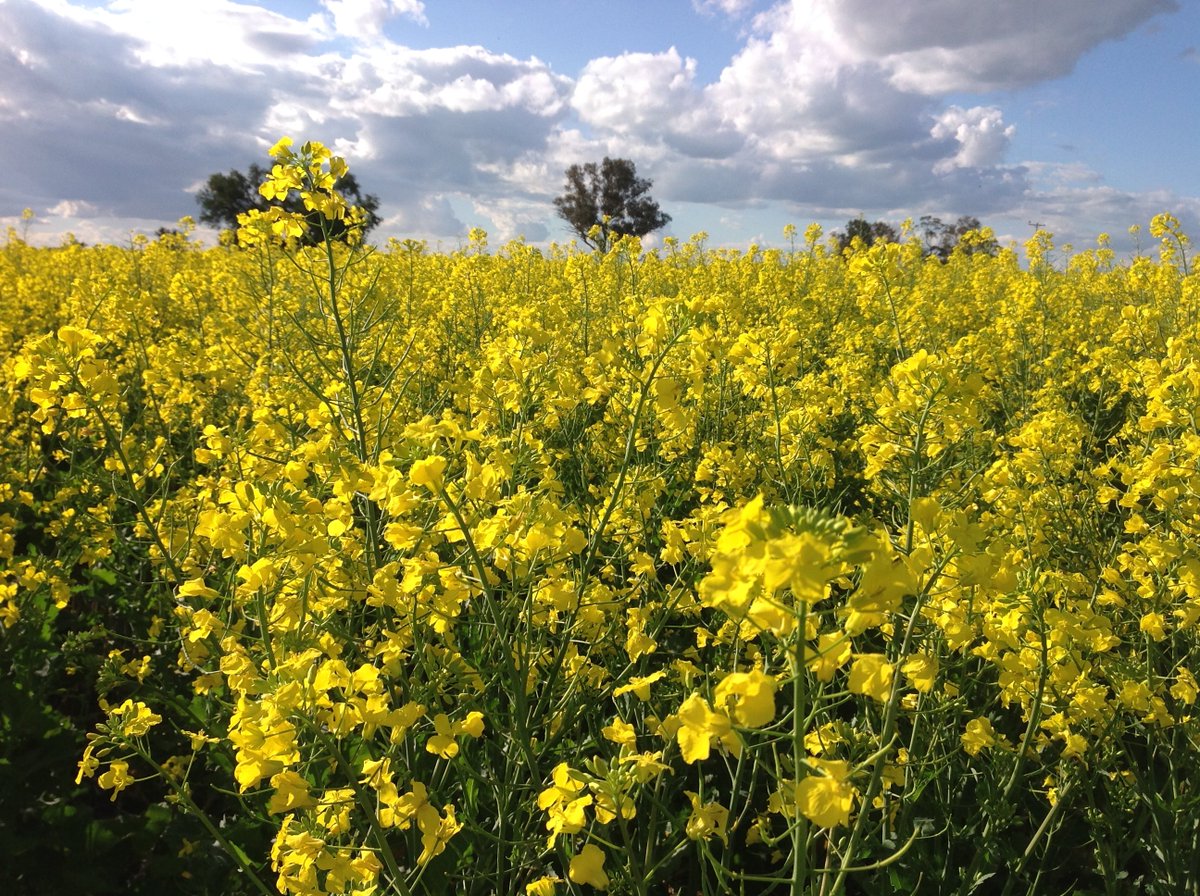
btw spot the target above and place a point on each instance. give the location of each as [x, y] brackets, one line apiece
[436, 830]
[871, 675]
[700, 727]
[444, 743]
[134, 719]
[282, 148]
[88, 764]
[291, 793]
[428, 472]
[620, 732]
[885, 580]
[1185, 689]
[588, 867]
[825, 798]
[564, 801]
[833, 652]
[639, 685]
[921, 671]
[333, 810]
[771, 566]
[748, 697]
[1154, 625]
[978, 736]
[117, 778]
[707, 820]
[472, 725]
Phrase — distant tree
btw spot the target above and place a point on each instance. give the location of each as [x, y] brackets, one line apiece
[941, 239]
[225, 196]
[609, 196]
[879, 232]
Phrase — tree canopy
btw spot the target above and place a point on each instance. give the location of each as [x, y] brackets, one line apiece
[941, 238]
[608, 200]
[938, 238]
[225, 196]
[879, 232]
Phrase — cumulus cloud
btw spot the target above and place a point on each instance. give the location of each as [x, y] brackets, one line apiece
[425, 216]
[364, 19]
[943, 46]
[797, 95]
[626, 92]
[239, 36]
[828, 107]
[134, 133]
[72, 208]
[1075, 214]
[391, 80]
[731, 8]
[981, 135]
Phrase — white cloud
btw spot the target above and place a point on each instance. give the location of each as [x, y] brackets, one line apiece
[239, 36]
[625, 92]
[514, 217]
[427, 216]
[73, 208]
[828, 108]
[980, 133]
[364, 19]
[1075, 214]
[943, 46]
[731, 8]
[798, 94]
[650, 103]
[391, 80]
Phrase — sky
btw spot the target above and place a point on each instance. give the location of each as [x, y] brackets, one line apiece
[747, 115]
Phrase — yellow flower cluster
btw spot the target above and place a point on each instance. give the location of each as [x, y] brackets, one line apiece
[670, 556]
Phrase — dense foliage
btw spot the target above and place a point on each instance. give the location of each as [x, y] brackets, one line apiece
[603, 202]
[684, 571]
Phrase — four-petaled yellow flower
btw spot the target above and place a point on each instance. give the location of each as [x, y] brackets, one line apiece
[707, 820]
[117, 777]
[826, 798]
[428, 472]
[748, 697]
[979, 735]
[699, 727]
[588, 867]
[871, 675]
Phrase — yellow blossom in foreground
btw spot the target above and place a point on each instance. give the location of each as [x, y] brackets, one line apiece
[428, 472]
[620, 732]
[1153, 624]
[978, 736]
[135, 718]
[87, 765]
[921, 671]
[1184, 689]
[826, 798]
[117, 777]
[833, 652]
[588, 867]
[707, 820]
[543, 886]
[291, 793]
[749, 697]
[871, 675]
[564, 802]
[699, 727]
[436, 830]
[639, 685]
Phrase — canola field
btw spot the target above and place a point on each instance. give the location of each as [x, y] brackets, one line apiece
[685, 571]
